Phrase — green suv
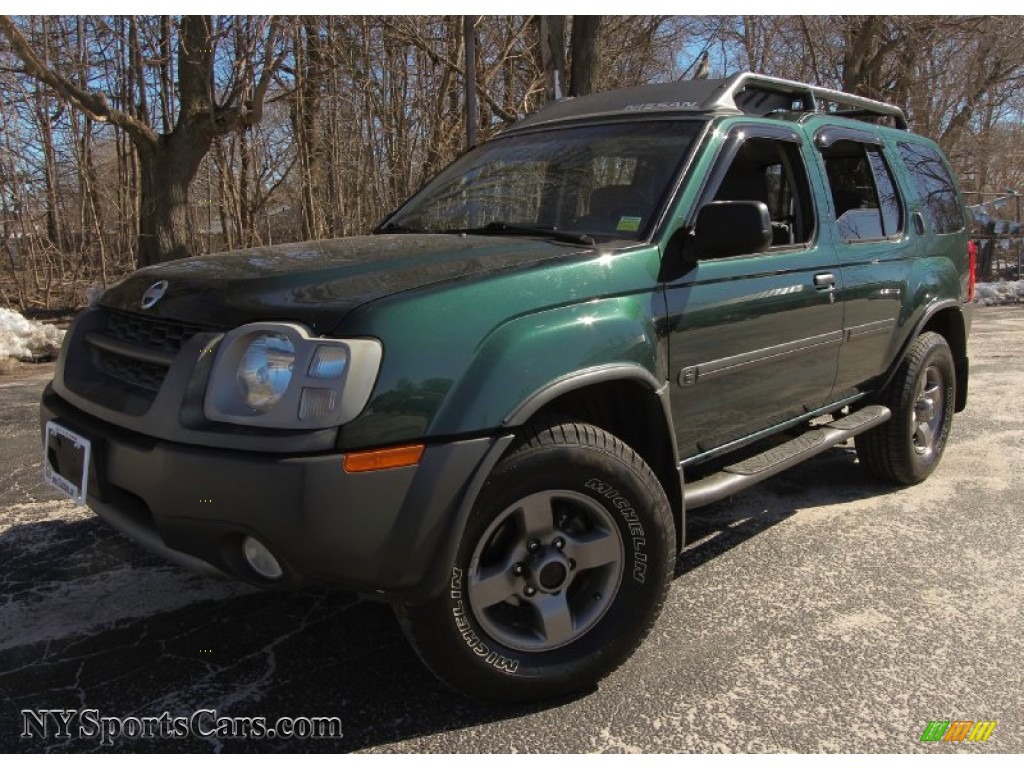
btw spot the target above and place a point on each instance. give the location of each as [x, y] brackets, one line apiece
[495, 411]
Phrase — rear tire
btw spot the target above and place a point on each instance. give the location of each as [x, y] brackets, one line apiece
[908, 447]
[562, 569]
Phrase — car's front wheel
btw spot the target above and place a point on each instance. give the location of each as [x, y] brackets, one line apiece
[562, 569]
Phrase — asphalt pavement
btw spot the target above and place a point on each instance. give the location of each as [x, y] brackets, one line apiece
[819, 612]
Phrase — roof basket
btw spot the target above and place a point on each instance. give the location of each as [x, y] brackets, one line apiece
[755, 94]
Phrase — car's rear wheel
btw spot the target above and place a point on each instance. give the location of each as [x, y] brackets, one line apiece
[908, 447]
[562, 569]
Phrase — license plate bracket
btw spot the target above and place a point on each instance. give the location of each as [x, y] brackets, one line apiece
[66, 460]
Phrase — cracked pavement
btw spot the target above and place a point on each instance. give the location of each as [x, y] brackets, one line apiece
[819, 611]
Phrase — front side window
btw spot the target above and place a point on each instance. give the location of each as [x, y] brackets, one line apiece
[940, 202]
[604, 181]
[867, 205]
[771, 171]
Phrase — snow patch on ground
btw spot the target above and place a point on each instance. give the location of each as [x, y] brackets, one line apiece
[996, 294]
[27, 340]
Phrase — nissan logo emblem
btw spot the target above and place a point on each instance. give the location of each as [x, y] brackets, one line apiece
[153, 294]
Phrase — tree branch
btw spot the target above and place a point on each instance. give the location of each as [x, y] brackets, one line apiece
[94, 104]
[438, 58]
[230, 117]
[195, 67]
[255, 113]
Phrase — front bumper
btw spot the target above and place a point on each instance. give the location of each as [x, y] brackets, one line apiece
[390, 533]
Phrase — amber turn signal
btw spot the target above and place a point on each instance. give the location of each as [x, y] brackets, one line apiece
[385, 458]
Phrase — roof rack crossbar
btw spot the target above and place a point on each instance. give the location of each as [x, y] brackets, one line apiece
[809, 95]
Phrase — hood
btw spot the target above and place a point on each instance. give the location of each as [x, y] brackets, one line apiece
[319, 282]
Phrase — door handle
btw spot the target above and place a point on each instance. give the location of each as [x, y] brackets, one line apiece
[826, 281]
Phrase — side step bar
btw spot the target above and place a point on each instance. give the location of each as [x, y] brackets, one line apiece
[816, 440]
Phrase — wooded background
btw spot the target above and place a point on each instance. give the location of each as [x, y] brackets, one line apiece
[127, 140]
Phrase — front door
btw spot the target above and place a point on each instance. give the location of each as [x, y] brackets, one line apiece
[754, 339]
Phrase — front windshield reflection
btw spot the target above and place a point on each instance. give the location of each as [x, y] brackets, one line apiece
[603, 181]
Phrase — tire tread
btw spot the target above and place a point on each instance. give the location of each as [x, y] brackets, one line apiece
[881, 450]
[550, 433]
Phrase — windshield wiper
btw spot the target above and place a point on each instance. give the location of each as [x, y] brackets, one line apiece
[400, 229]
[504, 228]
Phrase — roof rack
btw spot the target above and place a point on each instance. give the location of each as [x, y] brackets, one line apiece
[743, 93]
[750, 92]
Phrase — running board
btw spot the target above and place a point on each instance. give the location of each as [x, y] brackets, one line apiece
[816, 440]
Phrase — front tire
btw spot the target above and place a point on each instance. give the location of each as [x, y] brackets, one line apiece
[908, 447]
[561, 571]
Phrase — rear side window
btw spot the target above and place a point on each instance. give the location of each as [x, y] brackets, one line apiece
[939, 200]
[864, 194]
[888, 197]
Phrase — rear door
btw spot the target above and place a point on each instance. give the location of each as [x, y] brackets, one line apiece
[754, 339]
[867, 216]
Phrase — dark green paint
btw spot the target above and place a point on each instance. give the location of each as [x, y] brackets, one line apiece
[474, 326]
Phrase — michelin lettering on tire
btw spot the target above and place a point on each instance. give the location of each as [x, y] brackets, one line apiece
[564, 487]
[636, 529]
[471, 638]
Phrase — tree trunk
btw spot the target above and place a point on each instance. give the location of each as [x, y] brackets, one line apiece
[305, 115]
[165, 175]
[552, 55]
[586, 42]
[54, 230]
[472, 111]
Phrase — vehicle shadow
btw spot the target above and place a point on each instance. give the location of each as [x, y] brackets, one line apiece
[274, 654]
[832, 477]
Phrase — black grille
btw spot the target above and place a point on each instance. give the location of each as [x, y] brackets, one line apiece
[140, 373]
[167, 335]
[138, 335]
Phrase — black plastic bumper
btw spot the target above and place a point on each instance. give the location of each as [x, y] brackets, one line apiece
[390, 533]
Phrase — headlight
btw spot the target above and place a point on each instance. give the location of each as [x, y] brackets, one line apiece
[277, 375]
[265, 371]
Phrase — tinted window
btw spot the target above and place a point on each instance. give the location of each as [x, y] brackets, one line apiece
[772, 172]
[864, 194]
[888, 197]
[939, 200]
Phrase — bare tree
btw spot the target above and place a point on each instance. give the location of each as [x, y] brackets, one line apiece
[316, 126]
[168, 160]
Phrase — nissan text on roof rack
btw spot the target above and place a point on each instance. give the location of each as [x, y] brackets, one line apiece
[496, 411]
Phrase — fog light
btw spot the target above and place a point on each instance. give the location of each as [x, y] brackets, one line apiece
[260, 560]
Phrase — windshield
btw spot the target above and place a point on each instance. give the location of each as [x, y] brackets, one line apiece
[599, 181]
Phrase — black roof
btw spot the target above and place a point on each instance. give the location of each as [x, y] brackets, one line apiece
[745, 93]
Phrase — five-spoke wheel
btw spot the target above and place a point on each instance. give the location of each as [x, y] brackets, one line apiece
[929, 410]
[921, 395]
[545, 570]
[562, 569]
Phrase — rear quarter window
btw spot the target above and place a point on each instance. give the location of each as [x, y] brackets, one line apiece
[935, 187]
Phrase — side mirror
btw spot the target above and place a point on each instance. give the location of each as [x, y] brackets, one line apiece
[732, 228]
